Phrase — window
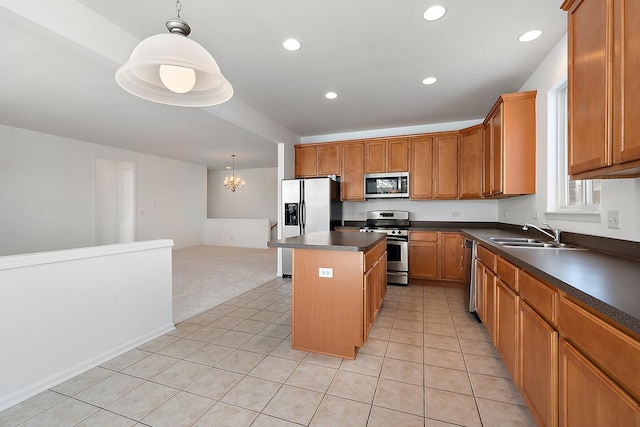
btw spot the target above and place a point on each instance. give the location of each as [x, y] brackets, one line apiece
[572, 197]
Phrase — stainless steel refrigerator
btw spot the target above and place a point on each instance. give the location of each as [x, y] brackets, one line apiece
[309, 205]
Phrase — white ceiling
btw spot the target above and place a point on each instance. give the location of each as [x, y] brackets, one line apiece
[59, 58]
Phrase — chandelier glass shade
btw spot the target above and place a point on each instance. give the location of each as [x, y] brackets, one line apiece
[175, 70]
[233, 182]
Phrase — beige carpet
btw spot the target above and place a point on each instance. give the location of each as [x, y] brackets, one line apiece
[205, 276]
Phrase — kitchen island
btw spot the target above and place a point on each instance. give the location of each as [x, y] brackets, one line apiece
[339, 282]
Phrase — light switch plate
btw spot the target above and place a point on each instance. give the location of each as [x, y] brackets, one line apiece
[613, 219]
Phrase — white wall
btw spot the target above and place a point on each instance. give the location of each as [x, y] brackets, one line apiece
[427, 210]
[243, 233]
[64, 312]
[47, 193]
[622, 195]
[258, 199]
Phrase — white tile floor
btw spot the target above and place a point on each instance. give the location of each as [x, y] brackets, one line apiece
[427, 363]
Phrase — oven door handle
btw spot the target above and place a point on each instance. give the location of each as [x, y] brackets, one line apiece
[397, 239]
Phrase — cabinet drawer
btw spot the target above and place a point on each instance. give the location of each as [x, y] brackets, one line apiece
[487, 257]
[372, 255]
[423, 236]
[614, 351]
[539, 296]
[507, 272]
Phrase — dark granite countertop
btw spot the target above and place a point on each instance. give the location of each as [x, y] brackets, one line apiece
[330, 241]
[607, 283]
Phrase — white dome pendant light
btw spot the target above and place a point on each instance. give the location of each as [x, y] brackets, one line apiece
[174, 70]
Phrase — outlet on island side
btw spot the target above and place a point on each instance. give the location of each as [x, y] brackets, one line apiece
[325, 272]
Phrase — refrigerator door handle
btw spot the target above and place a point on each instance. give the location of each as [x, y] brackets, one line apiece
[303, 209]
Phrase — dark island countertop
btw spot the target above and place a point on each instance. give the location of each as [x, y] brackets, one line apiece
[330, 241]
[607, 283]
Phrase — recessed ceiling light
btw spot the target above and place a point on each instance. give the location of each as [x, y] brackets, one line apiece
[434, 13]
[331, 95]
[292, 44]
[429, 81]
[530, 35]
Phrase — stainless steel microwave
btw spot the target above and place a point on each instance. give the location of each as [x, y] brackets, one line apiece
[386, 185]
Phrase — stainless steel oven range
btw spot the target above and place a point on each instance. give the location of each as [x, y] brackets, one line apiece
[395, 224]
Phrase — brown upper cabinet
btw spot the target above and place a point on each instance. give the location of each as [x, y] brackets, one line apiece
[433, 166]
[510, 146]
[312, 160]
[492, 159]
[445, 166]
[604, 106]
[306, 161]
[470, 163]
[352, 179]
[387, 155]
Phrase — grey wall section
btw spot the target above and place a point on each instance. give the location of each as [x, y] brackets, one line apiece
[258, 199]
[47, 193]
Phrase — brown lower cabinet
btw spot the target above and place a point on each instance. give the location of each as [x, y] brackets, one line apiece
[538, 365]
[572, 366]
[436, 255]
[506, 323]
[588, 397]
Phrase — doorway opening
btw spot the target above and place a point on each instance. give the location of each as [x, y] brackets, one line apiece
[114, 202]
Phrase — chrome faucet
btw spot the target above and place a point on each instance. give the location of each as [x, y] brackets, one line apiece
[556, 233]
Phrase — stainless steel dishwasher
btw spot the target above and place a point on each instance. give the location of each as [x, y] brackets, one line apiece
[470, 275]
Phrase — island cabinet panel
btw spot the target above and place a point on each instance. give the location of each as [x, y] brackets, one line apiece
[352, 180]
[470, 163]
[327, 313]
[538, 365]
[588, 397]
[375, 289]
[333, 314]
[604, 107]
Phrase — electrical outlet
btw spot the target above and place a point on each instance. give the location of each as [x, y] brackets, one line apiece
[325, 272]
[613, 219]
[535, 215]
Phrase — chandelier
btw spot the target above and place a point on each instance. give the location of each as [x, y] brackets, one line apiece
[175, 70]
[232, 182]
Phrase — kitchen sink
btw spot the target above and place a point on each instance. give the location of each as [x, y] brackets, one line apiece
[524, 242]
[514, 240]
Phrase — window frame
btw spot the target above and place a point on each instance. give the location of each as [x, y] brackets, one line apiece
[558, 197]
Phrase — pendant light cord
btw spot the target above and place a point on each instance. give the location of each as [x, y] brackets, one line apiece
[178, 8]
